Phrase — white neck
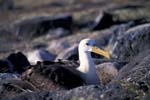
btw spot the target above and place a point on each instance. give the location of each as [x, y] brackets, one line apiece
[87, 68]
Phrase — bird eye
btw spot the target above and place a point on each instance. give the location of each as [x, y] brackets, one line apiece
[87, 43]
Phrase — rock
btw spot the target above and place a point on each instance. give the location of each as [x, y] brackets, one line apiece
[146, 97]
[5, 67]
[85, 93]
[12, 87]
[37, 26]
[132, 42]
[59, 45]
[106, 72]
[18, 61]
[114, 91]
[132, 81]
[39, 55]
[102, 21]
[5, 76]
[15, 62]
[120, 90]
[69, 54]
[138, 68]
[7, 38]
[119, 31]
[39, 46]
[105, 39]
[6, 4]
[130, 12]
[57, 33]
[122, 14]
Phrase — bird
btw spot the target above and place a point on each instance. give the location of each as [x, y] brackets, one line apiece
[49, 75]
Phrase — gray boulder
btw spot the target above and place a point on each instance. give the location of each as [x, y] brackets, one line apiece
[84, 93]
[39, 55]
[6, 4]
[106, 72]
[12, 87]
[37, 26]
[5, 76]
[102, 21]
[69, 54]
[132, 42]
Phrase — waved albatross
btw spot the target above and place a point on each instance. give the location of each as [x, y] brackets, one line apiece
[49, 75]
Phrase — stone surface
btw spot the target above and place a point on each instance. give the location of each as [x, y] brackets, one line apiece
[18, 61]
[58, 33]
[39, 55]
[12, 87]
[132, 42]
[106, 72]
[138, 68]
[84, 93]
[131, 39]
[5, 67]
[102, 21]
[69, 54]
[37, 26]
[6, 4]
[14, 63]
[120, 90]
[59, 45]
[5, 76]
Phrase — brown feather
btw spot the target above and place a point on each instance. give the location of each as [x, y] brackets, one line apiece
[49, 75]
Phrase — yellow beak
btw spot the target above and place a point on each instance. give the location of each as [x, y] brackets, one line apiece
[100, 52]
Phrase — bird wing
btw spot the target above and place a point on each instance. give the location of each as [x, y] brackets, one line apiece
[54, 75]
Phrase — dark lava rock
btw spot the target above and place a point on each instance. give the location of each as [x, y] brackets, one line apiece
[6, 4]
[138, 68]
[84, 93]
[37, 26]
[19, 62]
[132, 81]
[15, 62]
[119, 90]
[119, 30]
[104, 20]
[131, 12]
[132, 42]
[122, 14]
[12, 87]
[147, 97]
[5, 66]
